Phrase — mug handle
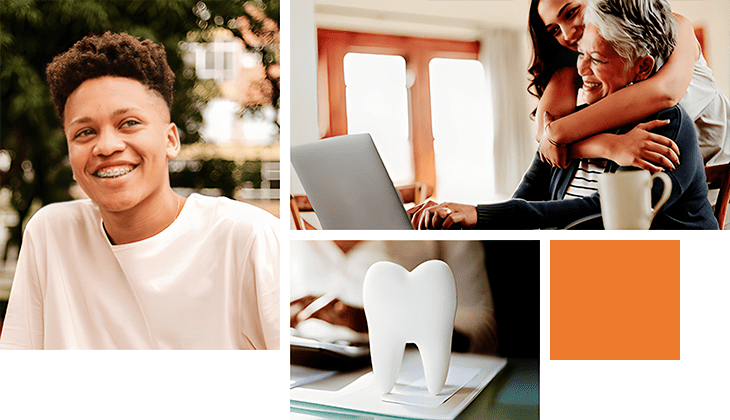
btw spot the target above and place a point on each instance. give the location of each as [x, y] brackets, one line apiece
[665, 194]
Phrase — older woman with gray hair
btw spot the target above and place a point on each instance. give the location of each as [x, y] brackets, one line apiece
[635, 29]
[640, 34]
[624, 42]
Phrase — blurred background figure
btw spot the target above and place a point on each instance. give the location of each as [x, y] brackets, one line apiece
[327, 278]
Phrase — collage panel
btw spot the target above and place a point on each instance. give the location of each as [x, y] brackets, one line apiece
[633, 327]
[436, 105]
[139, 209]
[147, 148]
[139, 169]
[631, 313]
[462, 316]
[422, 115]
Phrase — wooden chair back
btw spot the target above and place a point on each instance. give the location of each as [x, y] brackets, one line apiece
[718, 177]
[413, 193]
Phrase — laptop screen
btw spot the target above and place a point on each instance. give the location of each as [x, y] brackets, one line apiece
[348, 185]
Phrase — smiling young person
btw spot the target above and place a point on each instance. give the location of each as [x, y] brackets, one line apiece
[137, 266]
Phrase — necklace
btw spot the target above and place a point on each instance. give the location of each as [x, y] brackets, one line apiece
[180, 203]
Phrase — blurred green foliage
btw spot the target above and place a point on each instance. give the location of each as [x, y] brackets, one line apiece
[33, 32]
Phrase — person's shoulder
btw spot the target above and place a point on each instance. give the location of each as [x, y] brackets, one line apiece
[223, 210]
[678, 119]
[62, 218]
[65, 211]
[680, 128]
[676, 115]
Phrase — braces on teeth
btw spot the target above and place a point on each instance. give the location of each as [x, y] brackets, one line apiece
[113, 173]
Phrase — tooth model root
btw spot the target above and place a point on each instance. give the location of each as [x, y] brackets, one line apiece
[434, 367]
[417, 307]
[386, 356]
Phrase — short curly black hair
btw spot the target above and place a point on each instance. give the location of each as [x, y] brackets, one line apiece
[110, 54]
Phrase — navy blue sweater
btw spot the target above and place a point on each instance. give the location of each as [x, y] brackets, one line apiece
[538, 203]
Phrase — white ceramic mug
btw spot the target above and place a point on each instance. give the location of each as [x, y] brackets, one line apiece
[626, 198]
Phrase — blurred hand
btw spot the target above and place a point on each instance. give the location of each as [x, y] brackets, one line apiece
[431, 215]
[335, 312]
[645, 150]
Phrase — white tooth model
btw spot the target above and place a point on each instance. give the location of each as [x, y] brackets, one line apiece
[417, 307]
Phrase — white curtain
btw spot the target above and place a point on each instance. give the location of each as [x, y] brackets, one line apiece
[506, 71]
[302, 86]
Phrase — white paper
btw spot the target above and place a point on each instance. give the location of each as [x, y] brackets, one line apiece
[301, 375]
[410, 388]
[361, 396]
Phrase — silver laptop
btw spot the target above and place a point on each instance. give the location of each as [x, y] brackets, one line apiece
[348, 185]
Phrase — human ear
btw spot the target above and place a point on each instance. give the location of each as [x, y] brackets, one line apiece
[643, 68]
[173, 141]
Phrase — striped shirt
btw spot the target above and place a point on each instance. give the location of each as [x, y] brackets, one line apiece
[585, 180]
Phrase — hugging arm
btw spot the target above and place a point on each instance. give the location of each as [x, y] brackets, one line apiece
[639, 148]
[528, 210]
[558, 99]
[661, 91]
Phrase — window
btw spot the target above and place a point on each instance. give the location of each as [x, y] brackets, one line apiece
[215, 60]
[385, 85]
[461, 115]
[377, 103]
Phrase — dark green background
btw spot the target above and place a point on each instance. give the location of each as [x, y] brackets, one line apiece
[253, 385]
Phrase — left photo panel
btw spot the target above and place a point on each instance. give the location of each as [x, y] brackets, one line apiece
[139, 175]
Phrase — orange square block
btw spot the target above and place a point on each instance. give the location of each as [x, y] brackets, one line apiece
[614, 300]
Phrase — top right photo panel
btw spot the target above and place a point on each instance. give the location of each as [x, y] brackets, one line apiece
[510, 114]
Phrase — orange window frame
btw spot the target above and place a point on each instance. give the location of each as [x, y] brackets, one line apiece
[333, 45]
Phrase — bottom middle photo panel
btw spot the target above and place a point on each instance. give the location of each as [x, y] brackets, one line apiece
[415, 329]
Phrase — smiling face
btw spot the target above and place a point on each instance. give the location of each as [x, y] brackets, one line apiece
[119, 140]
[602, 69]
[563, 20]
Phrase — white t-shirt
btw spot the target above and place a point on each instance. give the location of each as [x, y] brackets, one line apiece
[210, 280]
[710, 110]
